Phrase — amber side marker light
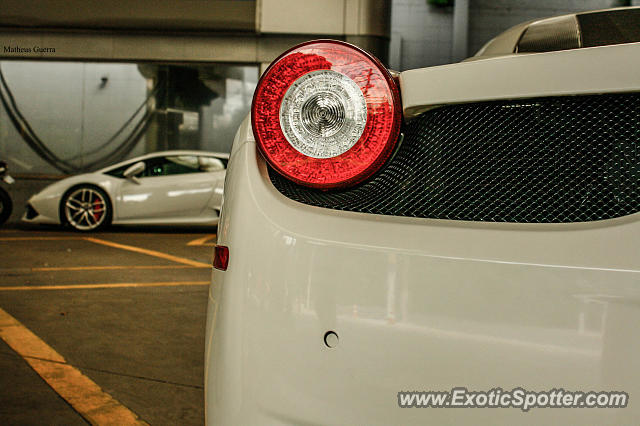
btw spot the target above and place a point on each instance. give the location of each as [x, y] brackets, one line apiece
[221, 257]
[326, 114]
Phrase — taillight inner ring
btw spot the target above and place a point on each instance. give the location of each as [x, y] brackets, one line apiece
[323, 123]
[326, 163]
[323, 114]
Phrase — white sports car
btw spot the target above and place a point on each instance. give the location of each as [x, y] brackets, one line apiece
[170, 187]
[477, 237]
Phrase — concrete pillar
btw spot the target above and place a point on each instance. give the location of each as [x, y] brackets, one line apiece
[460, 30]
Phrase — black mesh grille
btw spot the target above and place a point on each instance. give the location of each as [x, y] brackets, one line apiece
[548, 160]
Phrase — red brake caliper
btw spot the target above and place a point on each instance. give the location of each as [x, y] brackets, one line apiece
[98, 209]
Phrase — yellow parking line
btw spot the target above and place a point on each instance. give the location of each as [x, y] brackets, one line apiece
[149, 252]
[103, 285]
[201, 241]
[111, 267]
[84, 395]
[39, 238]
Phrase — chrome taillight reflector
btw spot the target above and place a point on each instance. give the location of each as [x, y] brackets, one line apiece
[326, 114]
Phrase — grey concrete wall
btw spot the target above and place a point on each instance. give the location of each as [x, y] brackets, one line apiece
[74, 112]
[69, 108]
[421, 34]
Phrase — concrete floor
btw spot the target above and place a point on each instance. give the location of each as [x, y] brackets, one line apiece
[143, 345]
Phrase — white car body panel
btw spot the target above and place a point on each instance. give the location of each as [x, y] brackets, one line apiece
[420, 304]
[193, 198]
[569, 72]
[165, 196]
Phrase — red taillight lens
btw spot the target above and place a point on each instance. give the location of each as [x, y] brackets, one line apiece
[221, 257]
[326, 114]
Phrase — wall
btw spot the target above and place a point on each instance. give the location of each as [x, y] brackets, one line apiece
[421, 34]
[200, 15]
[74, 112]
[69, 109]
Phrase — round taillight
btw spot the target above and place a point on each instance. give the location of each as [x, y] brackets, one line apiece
[326, 114]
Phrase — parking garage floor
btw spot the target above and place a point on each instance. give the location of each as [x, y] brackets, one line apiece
[103, 328]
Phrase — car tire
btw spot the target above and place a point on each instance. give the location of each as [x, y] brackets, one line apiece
[6, 206]
[86, 208]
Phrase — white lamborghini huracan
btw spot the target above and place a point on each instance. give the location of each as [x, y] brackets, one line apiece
[169, 187]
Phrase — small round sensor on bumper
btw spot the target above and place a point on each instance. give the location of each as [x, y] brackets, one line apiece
[331, 339]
